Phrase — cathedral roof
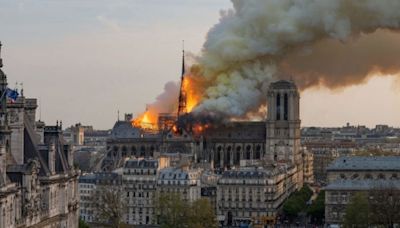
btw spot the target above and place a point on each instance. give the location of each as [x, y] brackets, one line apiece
[124, 129]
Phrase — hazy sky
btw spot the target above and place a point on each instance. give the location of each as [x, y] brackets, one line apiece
[86, 59]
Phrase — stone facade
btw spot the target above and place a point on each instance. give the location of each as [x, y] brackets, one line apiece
[348, 175]
[254, 195]
[140, 184]
[183, 181]
[38, 184]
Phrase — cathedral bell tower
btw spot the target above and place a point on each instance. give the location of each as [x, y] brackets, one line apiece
[283, 123]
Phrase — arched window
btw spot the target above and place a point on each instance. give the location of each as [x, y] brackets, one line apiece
[133, 150]
[381, 176]
[368, 176]
[285, 107]
[258, 152]
[278, 107]
[342, 176]
[142, 151]
[124, 150]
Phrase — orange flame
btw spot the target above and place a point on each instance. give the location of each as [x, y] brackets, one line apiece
[191, 87]
[192, 95]
[146, 120]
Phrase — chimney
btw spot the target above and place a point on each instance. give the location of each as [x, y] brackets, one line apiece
[52, 157]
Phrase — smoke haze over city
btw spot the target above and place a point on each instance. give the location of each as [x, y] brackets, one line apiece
[85, 58]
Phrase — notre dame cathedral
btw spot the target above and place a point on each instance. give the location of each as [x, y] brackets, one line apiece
[275, 140]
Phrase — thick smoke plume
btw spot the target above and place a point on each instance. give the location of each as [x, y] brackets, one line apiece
[331, 43]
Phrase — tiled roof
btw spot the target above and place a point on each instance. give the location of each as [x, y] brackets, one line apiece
[365, 163]
[142, 163]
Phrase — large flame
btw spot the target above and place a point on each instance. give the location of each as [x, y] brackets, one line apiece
[193, 96]
[147, 120]
[190, 87]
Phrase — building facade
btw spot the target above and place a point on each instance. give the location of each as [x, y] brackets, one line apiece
[38, 183]
[252, 195]
[349, 175]
[140, 185]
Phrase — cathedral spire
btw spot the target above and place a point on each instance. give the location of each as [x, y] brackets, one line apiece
[183, 58]
[182, 93]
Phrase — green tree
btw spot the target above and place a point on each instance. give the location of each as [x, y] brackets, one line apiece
[174, 212]
[110, 205]
[83, 224]
[202, 215]
[357, 211]
[317, 208]
[296, 203]
[384, 204]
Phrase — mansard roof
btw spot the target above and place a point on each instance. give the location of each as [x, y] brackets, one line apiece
[124, 129]
[101, 178]
[141, 163]
[173, 173]
[244, 174]
[374, 163]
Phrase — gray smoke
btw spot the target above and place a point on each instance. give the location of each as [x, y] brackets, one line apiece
[332, 43]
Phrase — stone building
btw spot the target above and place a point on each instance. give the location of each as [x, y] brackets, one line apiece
[140, 185]
[348, 175]
[223, 145]
[324, 153]
[180, 180]
[254, 195]
[88, 185]
[38, 183]
[308, 163]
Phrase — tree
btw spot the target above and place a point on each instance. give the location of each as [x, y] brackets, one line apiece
[202, 215]
[384, 204]
[83, 224]
[297, 202]
[357, 211]
[317, 208]
[110, 205]
[174, 212]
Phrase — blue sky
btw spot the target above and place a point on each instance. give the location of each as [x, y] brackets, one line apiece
[86, 59]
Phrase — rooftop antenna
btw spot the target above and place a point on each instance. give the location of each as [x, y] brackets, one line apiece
[118, 114]
[40, 109]
[22, 88]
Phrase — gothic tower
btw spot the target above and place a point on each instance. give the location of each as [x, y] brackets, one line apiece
[283, 123]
